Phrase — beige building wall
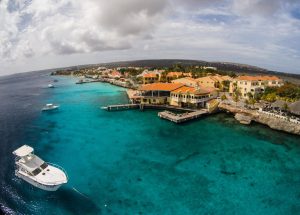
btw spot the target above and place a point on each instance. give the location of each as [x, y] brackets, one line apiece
[154, 100]
[206, 82]
[149, 80]
[252, 86]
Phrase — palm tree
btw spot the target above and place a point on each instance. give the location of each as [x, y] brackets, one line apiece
[285, 107]
[252, 101]
[223, 97]
[250, 96]
[236, 95]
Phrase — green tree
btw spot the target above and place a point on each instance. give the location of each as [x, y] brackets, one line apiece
[285, 107]
[236, 95]
[271, 97]
[252, 102]
[223, 97]
[225, 85]
[249, 95]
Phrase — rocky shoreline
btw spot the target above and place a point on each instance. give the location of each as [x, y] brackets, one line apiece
[245, 116]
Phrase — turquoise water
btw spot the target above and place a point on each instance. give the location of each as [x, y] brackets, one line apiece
[132, 162]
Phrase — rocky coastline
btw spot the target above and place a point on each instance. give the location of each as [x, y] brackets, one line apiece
[246, 116]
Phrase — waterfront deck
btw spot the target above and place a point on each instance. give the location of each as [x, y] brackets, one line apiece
[145, 106]
[87, 81]
[121, 107]
[179, 118]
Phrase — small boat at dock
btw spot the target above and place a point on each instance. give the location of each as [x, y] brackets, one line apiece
[80, 81]
[37, 172]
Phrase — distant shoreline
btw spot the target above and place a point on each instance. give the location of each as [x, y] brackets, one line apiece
[236, 67]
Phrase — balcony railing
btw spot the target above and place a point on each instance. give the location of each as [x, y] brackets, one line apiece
[199, 100]
[190, 100]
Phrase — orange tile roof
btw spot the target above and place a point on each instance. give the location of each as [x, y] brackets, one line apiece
[185, 79]
[215, 78]
[187, 74]
[115, 73]
[191, 90]
[150, 75]
[173, 74]
[206, 78]
[190, 79]
[257, 78]
[211, 89]
[160, 87]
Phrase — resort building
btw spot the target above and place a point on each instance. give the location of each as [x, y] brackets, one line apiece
[175, 75]
[187, 74]
[253, 84]
[114, 74]
[207, 81]
[157, 93]
[215, 81]
[189, 97]
[209, 67]
[150, 78]
[187, 81]
[146, 71]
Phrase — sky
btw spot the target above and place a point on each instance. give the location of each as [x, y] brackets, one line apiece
[43, 34]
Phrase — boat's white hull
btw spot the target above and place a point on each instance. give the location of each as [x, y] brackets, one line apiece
[49, 109]
[36, 184]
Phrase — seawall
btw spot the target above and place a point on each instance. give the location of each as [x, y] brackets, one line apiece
[245, 116]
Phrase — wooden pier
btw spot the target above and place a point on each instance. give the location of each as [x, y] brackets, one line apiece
[87, 81]
[145, 106]
[121, 107]
[179, 118]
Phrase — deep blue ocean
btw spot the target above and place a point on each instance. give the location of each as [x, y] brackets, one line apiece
[133, 162]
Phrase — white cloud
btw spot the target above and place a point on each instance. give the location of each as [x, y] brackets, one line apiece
[69, 26]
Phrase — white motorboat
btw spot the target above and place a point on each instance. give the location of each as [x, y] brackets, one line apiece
[50, 107]
[35, 171]
[50, 86]
[81, 81]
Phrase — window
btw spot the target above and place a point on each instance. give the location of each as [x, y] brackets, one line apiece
[44, 166]
[36, 171]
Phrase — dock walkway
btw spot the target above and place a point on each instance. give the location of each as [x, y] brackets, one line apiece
[145, 106]
[121, 107]
[179, 118]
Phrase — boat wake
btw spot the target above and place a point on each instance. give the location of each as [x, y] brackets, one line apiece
[77, 191]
